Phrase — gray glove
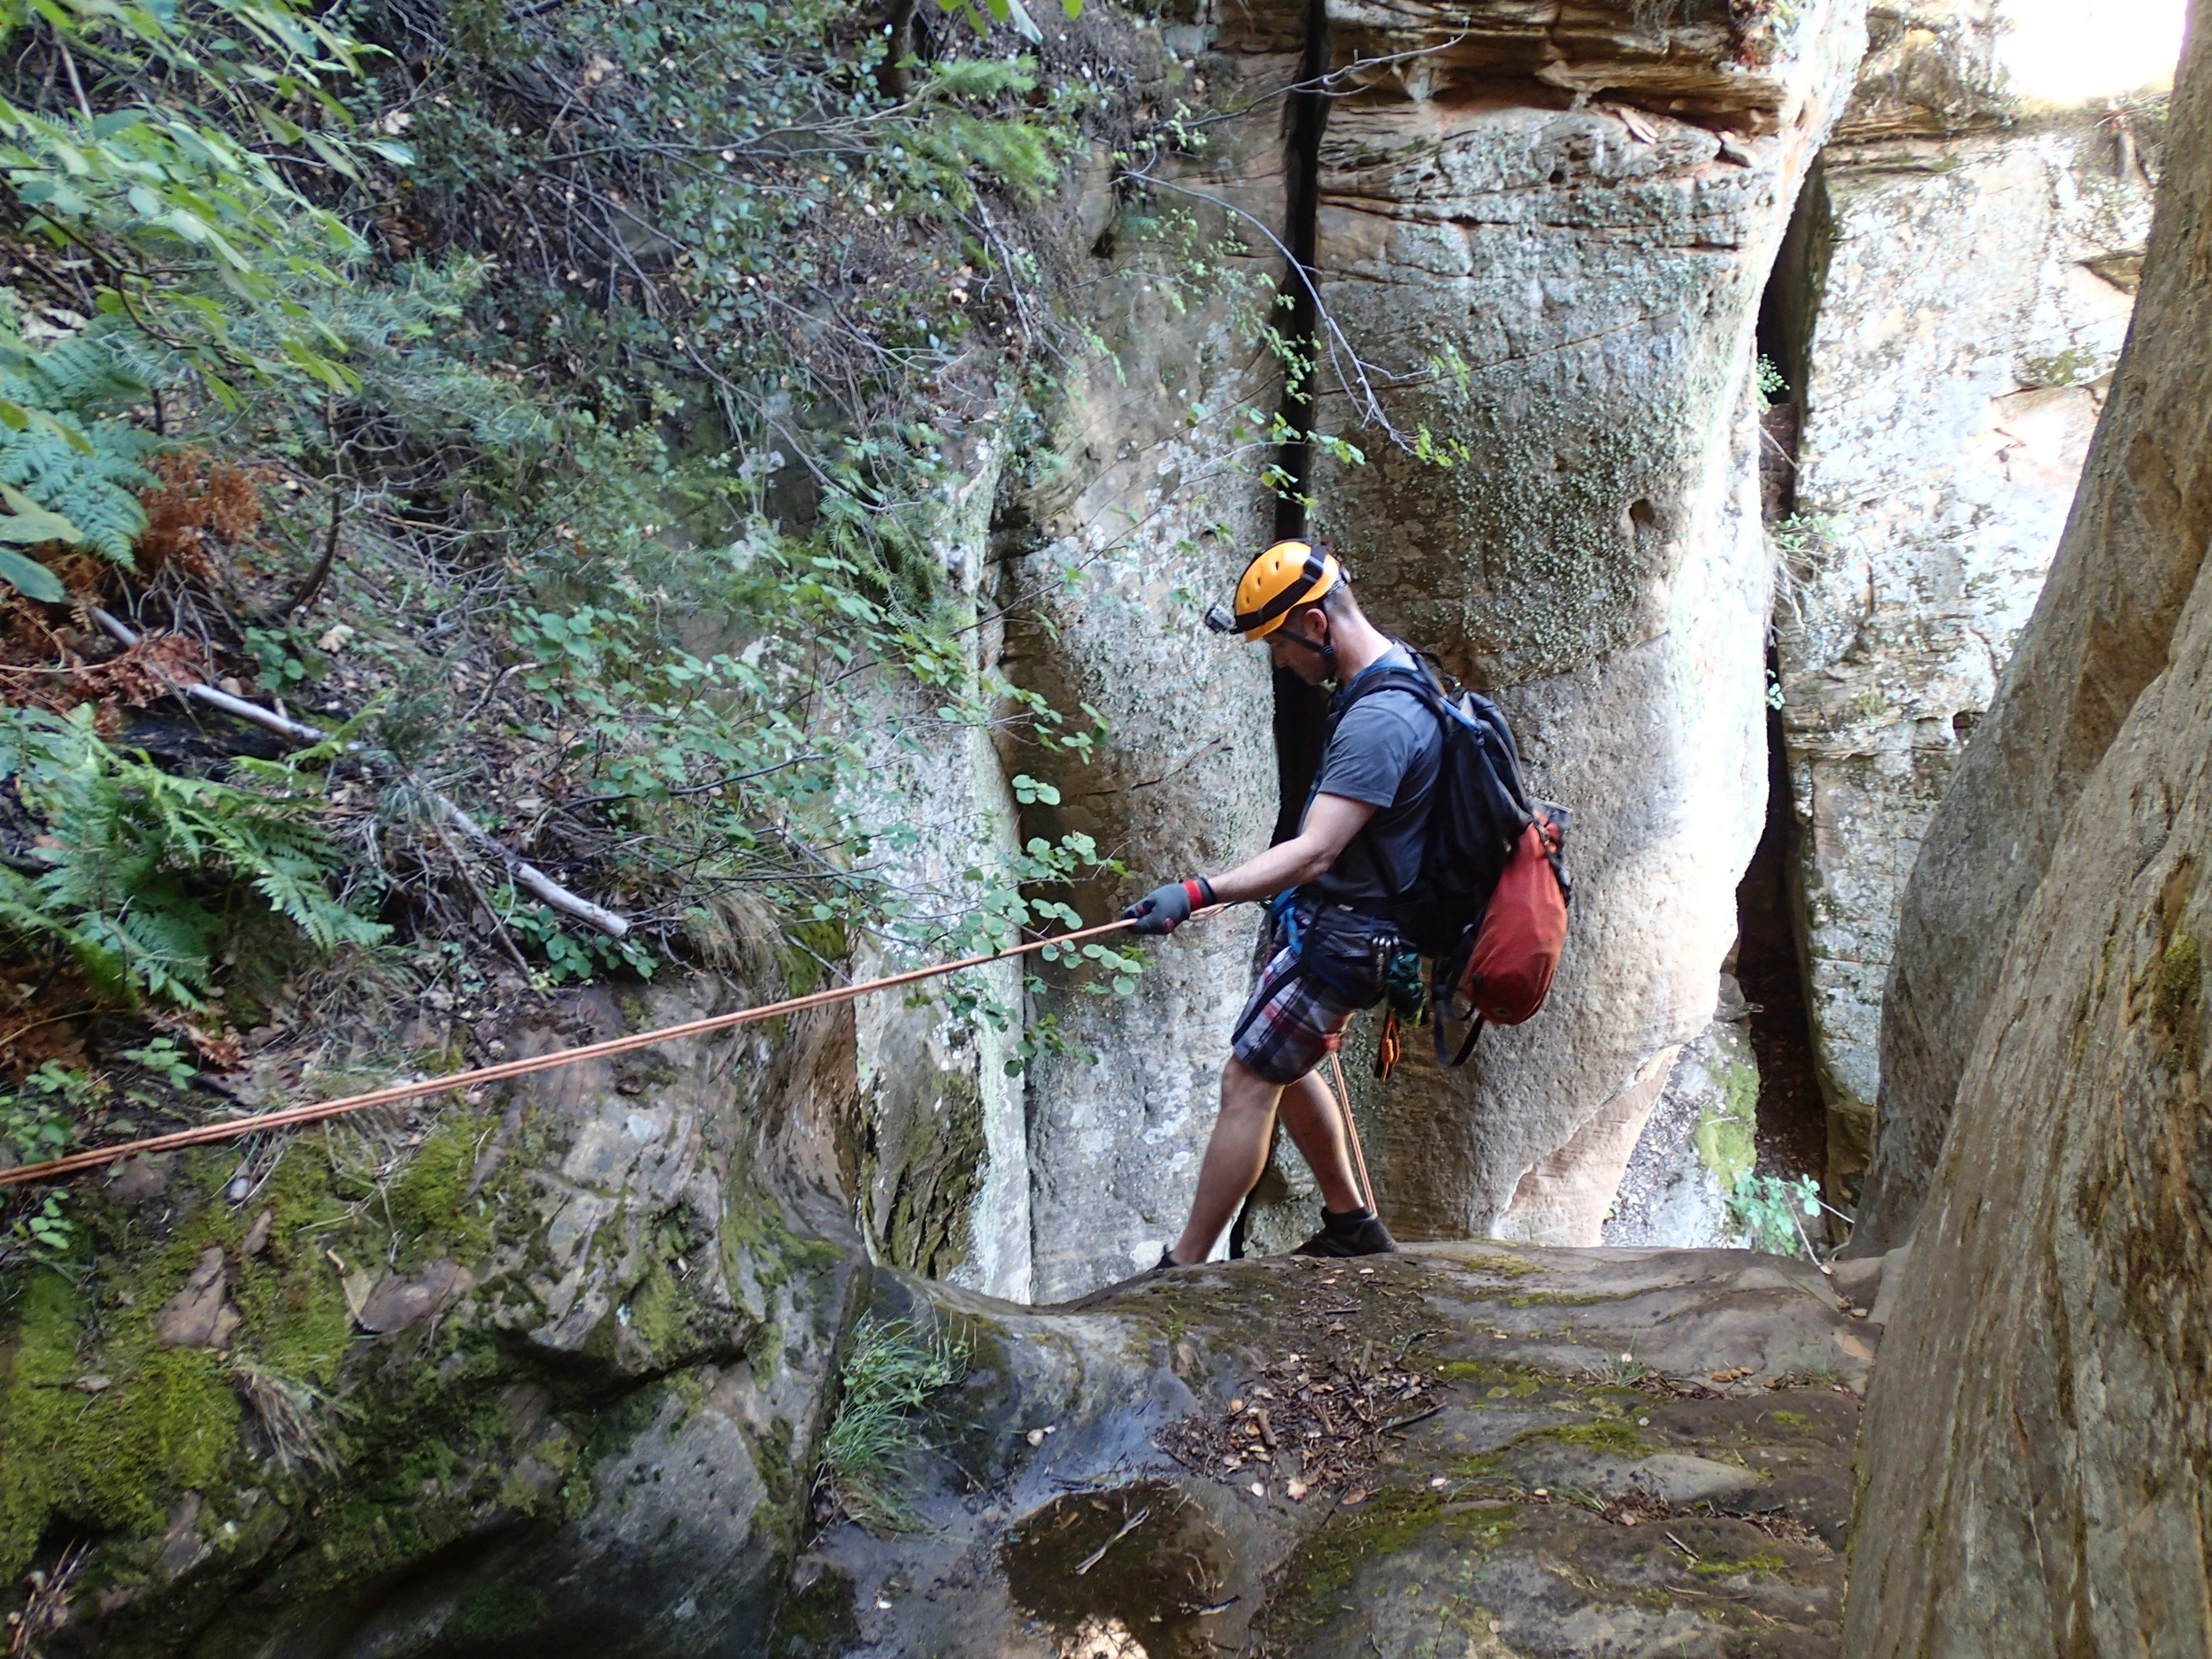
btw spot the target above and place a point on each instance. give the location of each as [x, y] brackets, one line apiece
[1166, 907]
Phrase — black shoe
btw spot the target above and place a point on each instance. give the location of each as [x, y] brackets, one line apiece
[1167, 1260]
[1356, 1232]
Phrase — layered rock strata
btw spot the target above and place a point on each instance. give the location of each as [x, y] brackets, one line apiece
[1948, 311]
[1543, 236]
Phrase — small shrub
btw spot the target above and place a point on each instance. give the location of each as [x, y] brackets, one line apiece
[1766, 1207]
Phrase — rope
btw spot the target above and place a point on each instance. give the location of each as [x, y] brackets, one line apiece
[291, 1117]
[1343, 1093]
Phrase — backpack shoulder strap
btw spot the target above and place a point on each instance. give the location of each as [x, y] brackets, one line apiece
[1391, 677]
[1421, 683]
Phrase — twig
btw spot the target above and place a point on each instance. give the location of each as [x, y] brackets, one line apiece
[491, 691]
[201, 693]
[1406, 1423]
[524, 873]
[528, 875]
[1127, 1527]
[313, 584]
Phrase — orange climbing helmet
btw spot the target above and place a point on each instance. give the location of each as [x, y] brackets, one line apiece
[1276, 583]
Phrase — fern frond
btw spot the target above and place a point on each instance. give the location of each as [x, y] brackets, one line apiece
[96, 491]
[133, 848]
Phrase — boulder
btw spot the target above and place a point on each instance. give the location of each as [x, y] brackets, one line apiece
[555, 1379]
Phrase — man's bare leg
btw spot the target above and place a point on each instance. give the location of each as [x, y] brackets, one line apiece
[1316, 1129]
[1237, 1152]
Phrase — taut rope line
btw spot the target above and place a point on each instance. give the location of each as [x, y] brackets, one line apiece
[291, 1117]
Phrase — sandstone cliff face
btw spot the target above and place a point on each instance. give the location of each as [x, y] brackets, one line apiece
[1954, 296]
[1052, 1146]
[1144, 506]
[941, 1151]
[1547, 231]
[548, 1361]
[2102, 629]
[2038, 1432]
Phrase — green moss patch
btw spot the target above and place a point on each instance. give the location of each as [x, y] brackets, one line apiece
[427, 1200]
[1610, 1437]
[165, 1420]
[1773, 1566]
[1309, 1587]
[2176, 988]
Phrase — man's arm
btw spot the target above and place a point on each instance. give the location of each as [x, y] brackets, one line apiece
[1330, 823]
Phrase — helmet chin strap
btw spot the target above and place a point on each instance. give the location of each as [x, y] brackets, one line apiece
[1326, 649]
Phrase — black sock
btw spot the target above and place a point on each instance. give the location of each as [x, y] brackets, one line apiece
[1344, 1221]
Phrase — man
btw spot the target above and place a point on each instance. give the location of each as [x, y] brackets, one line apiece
[1358, 846]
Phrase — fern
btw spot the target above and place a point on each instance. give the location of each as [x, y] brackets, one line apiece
[139, 865]
[67, 458]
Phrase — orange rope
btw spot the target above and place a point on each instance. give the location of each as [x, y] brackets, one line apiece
[1343, 1093]
[291, 1117]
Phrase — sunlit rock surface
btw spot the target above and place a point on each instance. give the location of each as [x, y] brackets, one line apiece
[2104, 625]
[1947, 313]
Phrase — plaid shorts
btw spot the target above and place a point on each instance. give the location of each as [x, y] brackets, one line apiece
[1292, 1019]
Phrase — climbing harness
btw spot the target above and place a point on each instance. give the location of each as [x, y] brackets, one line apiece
[319, 1111]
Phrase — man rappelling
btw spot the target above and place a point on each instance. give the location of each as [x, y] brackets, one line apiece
[1359, 843]
[1417, 839]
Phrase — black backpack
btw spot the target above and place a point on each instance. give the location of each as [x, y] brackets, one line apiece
[1477, 816]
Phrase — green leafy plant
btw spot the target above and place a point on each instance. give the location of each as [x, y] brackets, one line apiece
[1768, 1207]
[39, 1119]
[1768, 379]
[166, 1061]
[573, 956]
[278, 651]
[892, 1371]
[137, 867]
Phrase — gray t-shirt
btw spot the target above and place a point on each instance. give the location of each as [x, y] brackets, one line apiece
[1384, 752]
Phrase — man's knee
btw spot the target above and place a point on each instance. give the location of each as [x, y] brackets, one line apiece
[1243, 1089]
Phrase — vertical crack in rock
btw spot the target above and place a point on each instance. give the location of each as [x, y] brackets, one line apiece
[1301, 712]
[1306, 115]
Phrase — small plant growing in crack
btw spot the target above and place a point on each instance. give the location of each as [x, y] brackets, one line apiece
[1767, 1208]
[892, 1372]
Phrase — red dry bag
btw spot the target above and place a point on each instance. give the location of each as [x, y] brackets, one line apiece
[1515, 950]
